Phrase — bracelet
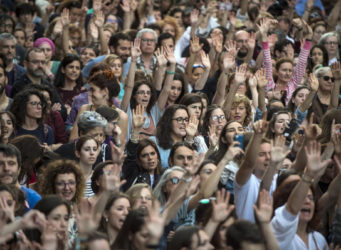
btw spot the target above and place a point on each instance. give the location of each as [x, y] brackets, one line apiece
[170, 72]
[304, 179]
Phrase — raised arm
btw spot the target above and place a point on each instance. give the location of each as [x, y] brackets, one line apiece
[334, 100]
[239, 78]
[65, 20]
[163, 97]
[194, 49]
[99, 22]
[262, 82]
[160, 70]
[314, 166]
[135, 53]
[314, 85]
[125, 6]
[247, 166]
[200, 84]
[334, 16]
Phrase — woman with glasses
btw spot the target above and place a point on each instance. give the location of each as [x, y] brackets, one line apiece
[29, 108]
[143, 93]
[323, 96]
[331, 42]
[66, 180]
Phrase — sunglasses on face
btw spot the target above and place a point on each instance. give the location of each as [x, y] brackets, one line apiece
[174, 180]
[327, 78]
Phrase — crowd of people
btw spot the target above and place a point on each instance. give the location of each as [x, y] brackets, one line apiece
[170, 124]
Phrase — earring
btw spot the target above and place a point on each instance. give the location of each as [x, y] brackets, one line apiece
[106, 219]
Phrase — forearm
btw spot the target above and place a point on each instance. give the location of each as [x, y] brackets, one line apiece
[189, 65]
[269, 175]
[269, 236]
[330, 197]
[158, 77]
[298, 196]
[229, 98]
[129, 86]
[210, 228]
[200, 84]
[334, 16]
[243, 7]
[249, 55]
[65, 39]
[308, 101]
[126, 21]
[221, 89]
[173, 207]
[334, 100]
[254, 94]
[11, 228]
[301, 158]
[103, 43]
[163, 97]
[261, 99]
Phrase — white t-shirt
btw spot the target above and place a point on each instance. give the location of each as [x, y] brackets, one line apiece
[284, 225]
[246, 196]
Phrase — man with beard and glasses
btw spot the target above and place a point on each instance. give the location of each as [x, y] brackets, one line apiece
[35, 63]
[7, 48]
[245, 52]
[10, 162]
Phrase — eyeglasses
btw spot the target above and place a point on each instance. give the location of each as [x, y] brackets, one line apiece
[331, 43]
[327, 78]
[218, 118]
[174, 180]
[33, 103]
[147, 198]
[142, 92]
[207, 171]
[64, 184]
[35, 62]
[181, 120]
[148, 40]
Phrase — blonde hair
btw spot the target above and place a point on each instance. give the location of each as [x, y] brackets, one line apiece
[171, 21]
[243, 99]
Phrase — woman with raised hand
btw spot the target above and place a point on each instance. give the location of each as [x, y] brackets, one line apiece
[296, 218]
[143, 93]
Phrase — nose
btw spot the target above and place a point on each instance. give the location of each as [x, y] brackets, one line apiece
[63, 224]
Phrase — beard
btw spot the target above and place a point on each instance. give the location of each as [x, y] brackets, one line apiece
[242, 53]
[36, 73]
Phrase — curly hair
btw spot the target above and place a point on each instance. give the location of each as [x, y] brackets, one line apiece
[164, 127]
[152, 100]
[243, 99]
[50, 173]
[18, 107]
[173, 22]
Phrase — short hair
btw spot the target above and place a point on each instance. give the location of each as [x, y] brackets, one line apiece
[98, 171]
[48, 177]
[283, 60]
[322, 71]
[24, 8]
[108, 113]
[243, 231]
[114, 40]
[95, 236]
[326, 35]
[281, 44]
[106, 80]
[30, 50]
[183, 237]
[4, 17]
[146, 30]
[7, 36]
[178, 145]
[10, 150]
[89, 120]
[164, 36]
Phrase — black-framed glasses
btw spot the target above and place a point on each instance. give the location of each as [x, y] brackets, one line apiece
[64, 184]
[34, 103]
[181, 120]
[174, 180]
[142, 92]
[327, 78]
[148, 40]
[218, 118]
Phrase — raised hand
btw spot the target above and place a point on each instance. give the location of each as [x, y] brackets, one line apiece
[336, 137]
[263, 210]
[133, 5]
[260, 126]
[169, 54]
[96, 5]
[231, 47]
[311, 131]
[314, 159]
[212, 136]
[86, 219]
[117, 153]
[135, 49]
[112, 179]
[313, 82]
[229, 61]
[93, 30]
[240, 75]
[160, 57]
[125, 6]
[33, 219]
[193, 186]
[8, 209]
[251, 43]
[155, 221]
[278, 149]
[233, 151]
[263, 26]
[221, 208]
[252, 82]
[99, 19]
[205, 59]
[195, 46]
[217, 43]
[336, 70]
[138, 116]
[192, 126]
[65, 17]
[194, 16]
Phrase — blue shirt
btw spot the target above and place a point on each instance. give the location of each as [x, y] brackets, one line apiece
[32, 197]
[300, 6]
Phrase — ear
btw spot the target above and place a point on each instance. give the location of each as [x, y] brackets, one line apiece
[223, 140]
[62, 70]
[77, 154]
[170, 161]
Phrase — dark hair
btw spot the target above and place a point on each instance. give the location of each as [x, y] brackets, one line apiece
[178, 145]
[206, 121]
[114, 40]
[24, 8]
[183, 237]
[223, 30]
[311, 65]
[191, 98]
[291, 105]
[82, 140]
[30, 50]
[205, 47]
[18, 107]
[4, 17]
[152, 100]
[281, 44]
[93, 47]
[164, 36]
[326, 124]
[10, 150]
[164, 139]
[98, 171]
[95, 236]
[243, 231]
[142, 145]
[45, 206]
[41, 88]
[270, 134]
[17, 195]
[103, 82]
[59, 81]
[281, 196]
[30, 150]
[153, 26]
[108, 113]
[132, 224]
[179, 76]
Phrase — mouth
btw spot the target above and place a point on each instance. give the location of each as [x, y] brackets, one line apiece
[67, 195]
[236, 117]
[305, 211]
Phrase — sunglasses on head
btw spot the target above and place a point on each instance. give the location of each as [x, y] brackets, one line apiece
[175, 180]
[326, 78]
